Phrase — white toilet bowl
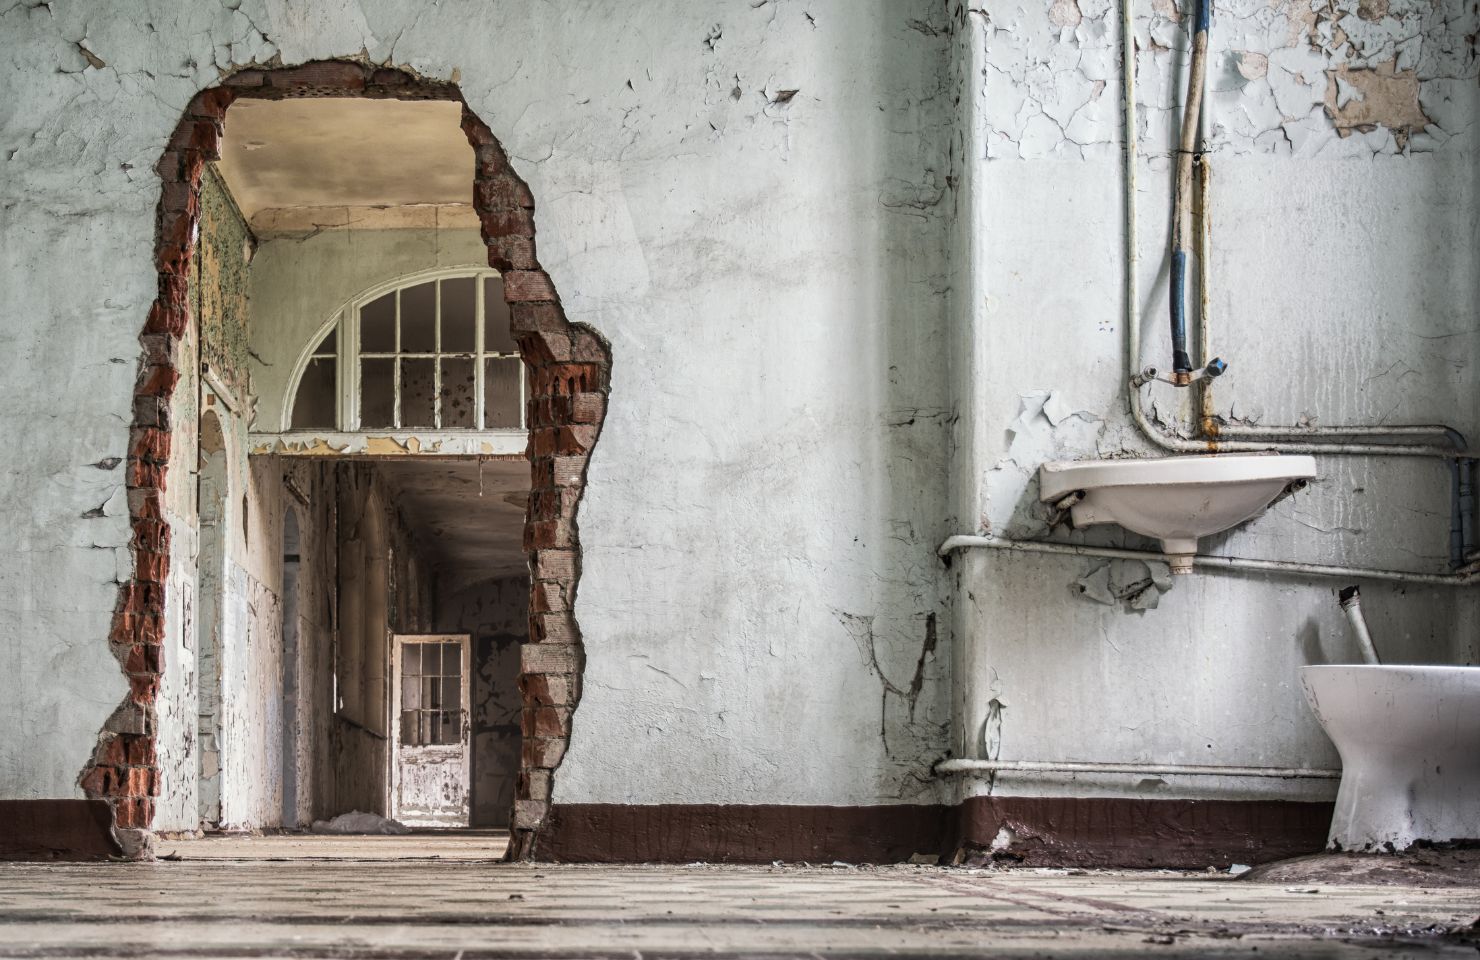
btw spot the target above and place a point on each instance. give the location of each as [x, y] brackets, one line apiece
[1409, 739]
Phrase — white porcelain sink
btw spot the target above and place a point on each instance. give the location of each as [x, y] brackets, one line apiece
[1174, 499]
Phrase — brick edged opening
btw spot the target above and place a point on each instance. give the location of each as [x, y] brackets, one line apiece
[568, 375]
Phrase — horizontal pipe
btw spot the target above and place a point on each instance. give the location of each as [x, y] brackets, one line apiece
[967, 541]
[947, 767]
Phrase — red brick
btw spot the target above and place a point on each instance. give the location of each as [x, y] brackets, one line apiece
[570, 471]
[152, 535]
[554, 628]
[512, 253]
[339, 75]
[151, 444]
[548, 535]
[588, 408]
[157, 380]
[145, 475]
[555, 565]
[548, 598]
[543, 753]
[501, 192]
[528, 285]
[133, 813]
[143, 689]
[545, 722]
[98, 782]
[143, 659]
[548, 658]
[547, 689]
[536, 317]
[138, 750]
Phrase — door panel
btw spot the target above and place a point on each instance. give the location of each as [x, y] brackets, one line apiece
[430, 768]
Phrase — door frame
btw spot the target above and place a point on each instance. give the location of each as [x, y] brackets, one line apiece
[465, 641]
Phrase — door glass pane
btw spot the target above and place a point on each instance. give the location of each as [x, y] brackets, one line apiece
[377, 392]
[417, 392]
[451, 659]
[326, 345]
[378, 325]
[410, 728]
[314, 404]
[452, 693]
[496, 336]
[457, 394]
[410, 692]
[419, 318]
[459, 315]
[501, 401]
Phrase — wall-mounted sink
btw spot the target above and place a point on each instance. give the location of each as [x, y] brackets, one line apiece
[1174, 499]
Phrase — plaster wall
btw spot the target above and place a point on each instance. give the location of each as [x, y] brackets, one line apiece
[1344, 290]
[746, 199]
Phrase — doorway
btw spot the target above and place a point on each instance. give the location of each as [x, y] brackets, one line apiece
[431, 750]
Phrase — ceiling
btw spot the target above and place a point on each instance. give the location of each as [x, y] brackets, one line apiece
[325, 162]
[467, 515]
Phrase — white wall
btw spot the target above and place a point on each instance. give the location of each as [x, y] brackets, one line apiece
[1344, 279]
[788, 383]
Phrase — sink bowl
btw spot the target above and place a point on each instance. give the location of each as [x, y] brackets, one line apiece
[1174, 499]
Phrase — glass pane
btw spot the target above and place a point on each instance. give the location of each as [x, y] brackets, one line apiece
[417, 391]
[419, 318]
[431, 693]
[426, 727]
[378, 325]
[501, 399]
[451, 659]
[410, 659]
[377, 392]
[452, 693]
[458, 391]
[459, 315]
[314, 404]
[410, 728]
[326, 345]
[410, 692]
[496, 336]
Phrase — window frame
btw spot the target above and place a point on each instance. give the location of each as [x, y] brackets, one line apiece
[349, 368]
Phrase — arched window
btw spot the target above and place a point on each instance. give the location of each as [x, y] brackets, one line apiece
[430, 352]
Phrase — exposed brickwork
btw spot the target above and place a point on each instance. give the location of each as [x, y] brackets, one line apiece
[568, 376]
[569, 368]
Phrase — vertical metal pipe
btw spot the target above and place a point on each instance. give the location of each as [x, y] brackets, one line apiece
[1182, 196]
[1351, 604]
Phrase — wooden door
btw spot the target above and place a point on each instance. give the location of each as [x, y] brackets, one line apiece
[429, 769]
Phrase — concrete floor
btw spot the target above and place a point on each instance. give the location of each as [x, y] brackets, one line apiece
[384, 897]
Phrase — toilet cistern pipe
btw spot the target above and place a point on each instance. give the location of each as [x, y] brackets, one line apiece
[1351, 604]
[1182, 199]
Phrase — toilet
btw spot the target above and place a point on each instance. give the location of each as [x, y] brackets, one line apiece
[1409, 739]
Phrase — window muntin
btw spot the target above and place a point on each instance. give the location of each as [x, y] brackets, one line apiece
[434, 353]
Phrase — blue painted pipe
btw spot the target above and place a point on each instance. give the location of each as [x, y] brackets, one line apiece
[1181, 362]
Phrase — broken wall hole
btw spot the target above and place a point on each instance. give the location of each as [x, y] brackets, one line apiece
[567, 376]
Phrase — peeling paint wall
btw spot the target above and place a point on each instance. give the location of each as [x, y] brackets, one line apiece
[496, 613]
[1343, 291]
[221, 283]
[385, 587]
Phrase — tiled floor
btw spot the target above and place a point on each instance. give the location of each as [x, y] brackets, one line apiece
[364, 899]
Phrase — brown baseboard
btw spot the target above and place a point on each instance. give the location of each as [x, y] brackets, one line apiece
[683, 833]
[56, 830]
[1125, 832]
[1039, 831]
